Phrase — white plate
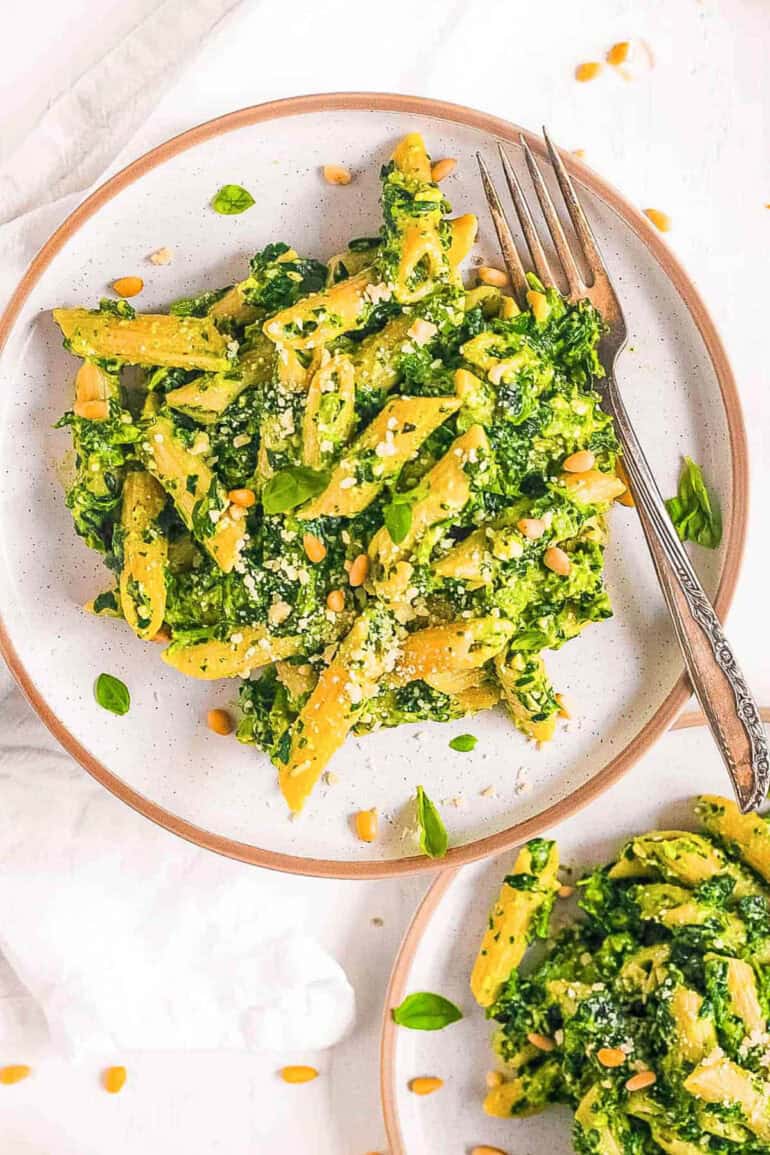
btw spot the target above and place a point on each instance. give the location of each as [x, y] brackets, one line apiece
[620, 678]
[440, 946]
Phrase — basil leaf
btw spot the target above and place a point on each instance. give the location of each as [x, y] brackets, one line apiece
[433, 836]
[694, 512]
[231, 200]
[424, 1011]
[120, 309]
[463, 743]
[291, 487]
[398, 520]
[112, 694]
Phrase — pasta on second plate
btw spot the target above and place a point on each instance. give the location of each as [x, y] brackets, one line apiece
[371, 494]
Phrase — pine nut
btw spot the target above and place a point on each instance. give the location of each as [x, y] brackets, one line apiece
[531, 527]
[487, 1151]
[425, 1084]
[579, 462]
[245, 498]
[14, 1074]
[335, 601]
[542, 1042]
[163, 635]
[359, 570]
[618, 54]
[366, 825]
[557, 561]
[660, 219]
[219, 721]
[442, 168]
[588, 71]
[494, 1079]
[489, 276]
[313, 547]
[563, 710]
[298, 1074]
[91, 410]
[611, 1056]
[565, 891]
[641, 1081]
[128, 286]
[336, 174]
[114, 1079]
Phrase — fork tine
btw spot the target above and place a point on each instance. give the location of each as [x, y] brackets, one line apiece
[539, 259]
[561, 244]
[504, 235]
[575, 209]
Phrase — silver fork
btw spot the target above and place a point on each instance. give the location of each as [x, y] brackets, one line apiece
[717, 680]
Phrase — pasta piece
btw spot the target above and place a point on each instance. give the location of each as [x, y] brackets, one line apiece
[511, 920]
[528, 694]
[448, 488]
[463, 231]
[527, 1094]
[477, 698]
[147, 339]
[411, 158]
[247, 649]
[338, 698]
[330, 410]
[721, 1081]
[234, 306]
[397, 432]
[374, 360]
[460, 645]
[732, 989]
[746, 835]
[206, 398]
[348, 264]
[667, 1138]
[145, 552]
[278, 432]
[315, 320]
[199, 497]
[693, 1025]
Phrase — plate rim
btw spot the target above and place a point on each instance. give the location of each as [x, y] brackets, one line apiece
[736, 518]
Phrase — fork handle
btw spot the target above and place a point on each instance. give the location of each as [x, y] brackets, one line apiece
[717, 680]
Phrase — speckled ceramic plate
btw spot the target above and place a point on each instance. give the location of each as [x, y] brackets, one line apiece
[440, 946]
[623, 678]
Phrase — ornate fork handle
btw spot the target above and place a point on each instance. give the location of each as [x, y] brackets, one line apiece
[714, 672]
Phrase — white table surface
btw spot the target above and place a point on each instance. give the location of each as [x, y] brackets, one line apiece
[689, 137]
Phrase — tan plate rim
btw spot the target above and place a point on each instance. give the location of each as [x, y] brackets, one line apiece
[413, 935]
[735, 519]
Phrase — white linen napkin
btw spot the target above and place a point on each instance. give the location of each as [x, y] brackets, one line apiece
[115, 934]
